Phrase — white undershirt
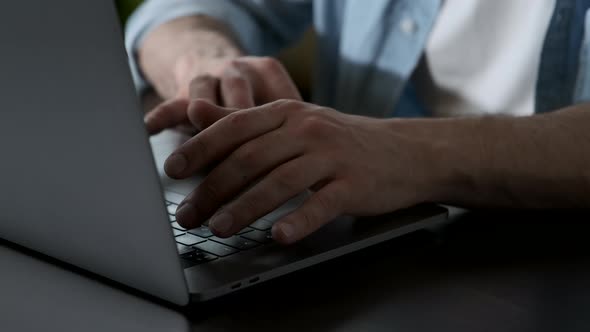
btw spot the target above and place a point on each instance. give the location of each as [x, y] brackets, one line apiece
[483, 56]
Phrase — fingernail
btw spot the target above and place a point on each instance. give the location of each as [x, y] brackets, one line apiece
[175, 164]
[222, 222]
[288, 230]
[186, 214]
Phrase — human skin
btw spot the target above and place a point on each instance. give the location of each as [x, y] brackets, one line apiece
[266, 152]
[197, 58]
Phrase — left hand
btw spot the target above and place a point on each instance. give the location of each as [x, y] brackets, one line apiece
[268, 154]
[241, 82]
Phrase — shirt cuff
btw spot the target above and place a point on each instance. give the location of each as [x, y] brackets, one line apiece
[154, 13]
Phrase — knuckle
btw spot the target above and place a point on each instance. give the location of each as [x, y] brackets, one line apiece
[308, 221]
[328, 204]
[287, 106]
[235, 63]
[198, 103]
[313, 125]
[246, 157]
[289, 103]
[202, 80]
[271, 64]
[287, 181]
[237, 119]
[322, 209]
[234, 82]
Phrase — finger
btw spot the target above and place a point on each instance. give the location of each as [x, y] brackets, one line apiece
[166, 115]
[186, 129]
[223, 137]
[233, 175]
[236, 91]
[273, 84]
[205, 87]
[282, 184]
[203, 114]
[319, 209]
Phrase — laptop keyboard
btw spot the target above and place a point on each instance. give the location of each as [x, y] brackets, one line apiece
[200, 246]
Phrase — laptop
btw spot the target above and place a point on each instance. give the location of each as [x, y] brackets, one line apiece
[83, 183]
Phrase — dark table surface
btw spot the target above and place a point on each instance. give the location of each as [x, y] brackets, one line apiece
[486, 271]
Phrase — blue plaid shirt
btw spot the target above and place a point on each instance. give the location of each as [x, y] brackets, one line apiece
[367, 50]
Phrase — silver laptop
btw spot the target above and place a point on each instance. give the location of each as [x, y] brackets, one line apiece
[82, 183]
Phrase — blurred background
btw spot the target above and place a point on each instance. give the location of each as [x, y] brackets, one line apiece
[126, 7]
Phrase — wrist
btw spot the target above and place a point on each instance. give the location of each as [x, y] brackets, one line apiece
[446, 154]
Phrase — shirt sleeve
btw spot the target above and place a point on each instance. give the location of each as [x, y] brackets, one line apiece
[262, 27]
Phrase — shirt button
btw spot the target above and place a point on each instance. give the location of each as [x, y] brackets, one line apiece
[408, 26]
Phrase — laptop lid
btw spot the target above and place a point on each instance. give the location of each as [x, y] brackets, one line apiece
[77, 174]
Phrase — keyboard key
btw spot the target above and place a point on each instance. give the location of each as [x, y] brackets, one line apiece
[177, 226]
[172, 209]
[262, 225]
[216, 249]
[202, 231]
[177, 232]
[189, 239]
[237, 242]
[182, 249]
[258, 236]
[172, 218]
[199, 256]
[245, 230]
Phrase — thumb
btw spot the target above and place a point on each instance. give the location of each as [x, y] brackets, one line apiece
[203, 114]
[169, 114]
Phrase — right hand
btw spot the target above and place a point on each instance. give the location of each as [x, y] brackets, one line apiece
[234, 83]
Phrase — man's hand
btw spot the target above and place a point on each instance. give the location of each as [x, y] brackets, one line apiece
[198, 58]
[269, 154]
[238, 83]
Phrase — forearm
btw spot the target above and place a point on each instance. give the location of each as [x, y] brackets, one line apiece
[164, 49]
[528, 162]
